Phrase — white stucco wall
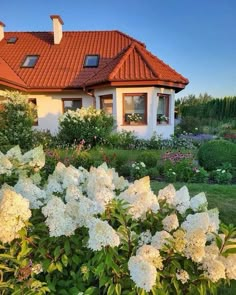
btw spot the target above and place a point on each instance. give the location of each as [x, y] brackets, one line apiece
[50, 108]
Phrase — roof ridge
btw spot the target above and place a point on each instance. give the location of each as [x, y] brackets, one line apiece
[22, 81]
[128, 36]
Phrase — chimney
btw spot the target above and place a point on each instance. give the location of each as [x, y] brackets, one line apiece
[57, 28]
[2, 25]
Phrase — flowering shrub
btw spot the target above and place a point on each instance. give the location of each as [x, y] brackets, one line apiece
[170, 175]
[138, 170]
[174, 157]
[16, 120]
[200, 175]
[221, 176]
[93, 232]
[86, 124]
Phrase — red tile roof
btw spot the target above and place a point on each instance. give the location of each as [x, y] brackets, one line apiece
[122, 60]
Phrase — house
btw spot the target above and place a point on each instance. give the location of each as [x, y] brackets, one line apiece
[63, 70]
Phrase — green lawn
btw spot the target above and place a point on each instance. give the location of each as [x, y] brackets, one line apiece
[221, 196]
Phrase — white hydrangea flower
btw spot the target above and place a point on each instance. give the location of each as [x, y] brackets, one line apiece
[141, 198]
[53, 186]
[30, 191]
[214, 269]
[151, 255]
[72, 176]
[160, 239]
[82, 210]
[195, 245]
[214, 221]
[14, 212]
[101, 234]
[182, 276]
[35, 158]
[58, 221]
[196, 221]
[119, 182]
[199, 202]
[59, 172]
[99, 185]
[170, 222]
[230, 266]
[167, 194]
[73, 193]
[15, 153]
[5, 165]
[142, 272]
[145, 238]
[182, 200]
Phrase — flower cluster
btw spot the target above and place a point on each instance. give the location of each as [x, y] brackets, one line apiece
[134, 117]
[80, 114]
[176, 156]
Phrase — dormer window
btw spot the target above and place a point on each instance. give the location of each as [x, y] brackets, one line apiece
[91, 61]
[12, 40]
[30, 61]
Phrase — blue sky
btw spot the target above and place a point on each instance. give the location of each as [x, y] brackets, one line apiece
[196, 37]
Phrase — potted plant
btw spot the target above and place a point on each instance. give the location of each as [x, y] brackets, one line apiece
[162, 119]
[134, 119]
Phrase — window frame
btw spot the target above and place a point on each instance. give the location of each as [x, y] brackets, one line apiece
[91, 55]
[70, 99]
[34, 101]
[28, 56]
[167, 108]
[104, 97]
[12, 40]
[145, 108]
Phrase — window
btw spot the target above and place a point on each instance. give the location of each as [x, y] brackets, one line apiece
[106, 104]
[34, 102]
[12, 40]
[71, 104]
[91, 61]
[135, 108]
[163, 106]
[30, 61]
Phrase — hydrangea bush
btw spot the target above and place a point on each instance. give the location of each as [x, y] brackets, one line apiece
[93, 232]
[89, 125]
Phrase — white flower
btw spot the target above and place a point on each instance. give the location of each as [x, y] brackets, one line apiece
[196, 221]
[5, 165]
[182, 200]
[151, 255]
[142, 272]
[14, 212]
[145, 238]
[160, 239]
[58, 221]
[35, 158]
[195, 245]
[30, 191]
[214, 269]
[199, 202]
[182, 276]
[230, 266]
[101, 234]
[14, 153]
[170, 222]
[141, 198]
[167, 194]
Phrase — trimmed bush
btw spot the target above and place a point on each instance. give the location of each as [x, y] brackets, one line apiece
[216, 153]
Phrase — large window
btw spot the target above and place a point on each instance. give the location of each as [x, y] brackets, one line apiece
[106, 103]
[135, 108]
[71, 104]
[163, 106]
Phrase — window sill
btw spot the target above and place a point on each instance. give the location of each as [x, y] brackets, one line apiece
[134, 124]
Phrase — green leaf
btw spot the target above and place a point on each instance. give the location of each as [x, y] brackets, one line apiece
[90, 291]
[59, 266]
[118, 289]
[67, 247]
[52, 267]
[64, 259]
[57, 252]
[111, 290]
[230, 251]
